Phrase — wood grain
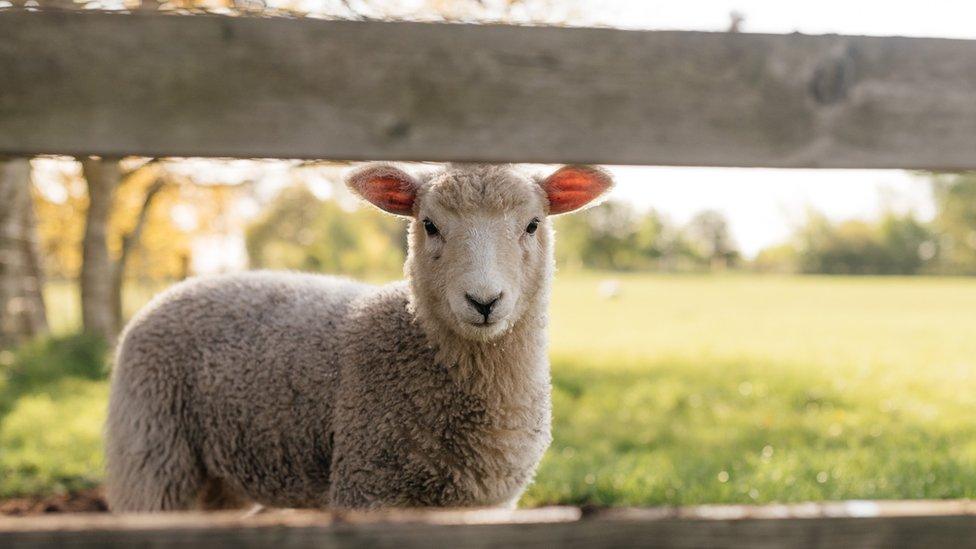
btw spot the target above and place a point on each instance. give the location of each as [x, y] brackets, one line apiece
[164, 85]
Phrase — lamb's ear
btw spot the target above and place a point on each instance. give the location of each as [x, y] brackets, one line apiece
[571, 187]
[385, 185]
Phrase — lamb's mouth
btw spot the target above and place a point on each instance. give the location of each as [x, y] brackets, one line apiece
[483, 324]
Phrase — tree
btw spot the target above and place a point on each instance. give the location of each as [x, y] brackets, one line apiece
[614, 236]
[604, 237]
[955, 200]
[142, 200]
[909, 243]
[653, 237]
[102, 275]
[708, 234]
[667, 245]
[780, 258]
[894, 245]
[156, 214]
[102, 177]
[299, 231]
[22, 314]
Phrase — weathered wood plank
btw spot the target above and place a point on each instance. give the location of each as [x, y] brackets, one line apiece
[157, 85]
[849, 525]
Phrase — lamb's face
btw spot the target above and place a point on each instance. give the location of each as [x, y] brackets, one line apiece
[480, 247]
[480, 236]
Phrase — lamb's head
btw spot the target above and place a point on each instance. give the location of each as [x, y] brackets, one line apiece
[480, 237]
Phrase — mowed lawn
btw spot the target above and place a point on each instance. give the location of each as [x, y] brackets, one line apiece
[689, 389]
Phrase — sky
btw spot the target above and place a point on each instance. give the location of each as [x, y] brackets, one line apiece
[934, 18]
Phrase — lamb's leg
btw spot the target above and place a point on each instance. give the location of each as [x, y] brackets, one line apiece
[157, 473]
[216, 496]
[150, 464]
[167, 479]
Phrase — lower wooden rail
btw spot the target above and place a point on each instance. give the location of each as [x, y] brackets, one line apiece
[854, 524]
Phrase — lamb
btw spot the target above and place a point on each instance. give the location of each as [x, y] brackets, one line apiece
[301, 390]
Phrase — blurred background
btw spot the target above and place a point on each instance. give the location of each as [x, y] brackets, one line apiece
[717, 335]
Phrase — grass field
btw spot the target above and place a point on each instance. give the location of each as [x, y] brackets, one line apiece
[686, 390]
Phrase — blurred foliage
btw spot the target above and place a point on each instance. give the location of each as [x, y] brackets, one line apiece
[180, 212]
[955, 199]
[897, 244]
[781, 259]
[709, 233]
[37, 364]
[298, 231]
[894, 245]
[63, 300]
[614, 236]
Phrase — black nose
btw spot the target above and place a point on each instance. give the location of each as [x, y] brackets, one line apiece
[483, 307]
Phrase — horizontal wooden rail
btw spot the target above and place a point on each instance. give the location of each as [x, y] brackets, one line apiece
[849, 524]
[165, 85]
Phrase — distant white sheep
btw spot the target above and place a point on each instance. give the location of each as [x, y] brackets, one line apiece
[609, 288]
[299, 390]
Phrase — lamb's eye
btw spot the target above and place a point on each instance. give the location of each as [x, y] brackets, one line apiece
[430, 227]
[533, 225]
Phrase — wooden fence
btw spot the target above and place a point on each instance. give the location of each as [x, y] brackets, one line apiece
[157, 85]
[847, 525]
[88, 83]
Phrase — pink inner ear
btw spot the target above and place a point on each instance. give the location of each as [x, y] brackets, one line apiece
[573, 187]
[390, 193]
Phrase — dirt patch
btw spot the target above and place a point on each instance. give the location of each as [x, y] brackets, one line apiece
[87, 501]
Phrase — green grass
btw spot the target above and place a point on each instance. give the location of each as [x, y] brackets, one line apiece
[756, 389]
[51, 441]
[690, 389]
[52, 404]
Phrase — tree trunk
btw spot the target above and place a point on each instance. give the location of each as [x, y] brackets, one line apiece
[130, 242]
[34, 263]
[22, 314]
[97, 268]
